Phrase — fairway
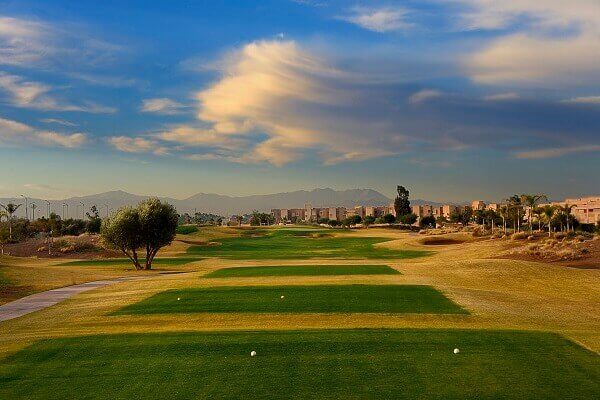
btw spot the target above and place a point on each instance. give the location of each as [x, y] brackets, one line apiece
[300, 244]
[298, 299]
[126, 261]
[348, 364]
[302, 270]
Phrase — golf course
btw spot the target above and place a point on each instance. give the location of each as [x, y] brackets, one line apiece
[305, 313]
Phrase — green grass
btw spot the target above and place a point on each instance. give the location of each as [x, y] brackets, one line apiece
[126, 261]
[186, 229]
[277, 244]
[298, 299]
[302, 270]
[337, 364]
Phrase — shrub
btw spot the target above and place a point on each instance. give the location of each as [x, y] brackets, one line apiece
[519, 236]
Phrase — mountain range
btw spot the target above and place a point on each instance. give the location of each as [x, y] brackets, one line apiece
[213, 203]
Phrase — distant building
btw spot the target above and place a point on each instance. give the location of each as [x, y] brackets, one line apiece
[478, 205]
[586, 209]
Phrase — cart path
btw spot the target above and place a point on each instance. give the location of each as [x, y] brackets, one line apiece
[39, 301]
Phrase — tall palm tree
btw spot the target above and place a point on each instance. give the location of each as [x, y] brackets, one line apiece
[10, 209]
[538, 213]
[566, 211]
[503, 211]
[531, 201]
[549, 212]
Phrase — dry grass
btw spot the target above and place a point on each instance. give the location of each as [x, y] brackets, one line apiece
[499, 294]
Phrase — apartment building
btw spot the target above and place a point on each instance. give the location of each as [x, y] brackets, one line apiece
[585, 209]
[478, 205]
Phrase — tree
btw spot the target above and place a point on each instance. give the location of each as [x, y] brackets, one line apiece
[408, 219]
[390, 219]
[401, 203]
[428, 221]
[123, 231]
[323, 221]
[94, 222]
[531, 201]
[548, 212]
[461, 215]
[565, 211]
[352, 220]
[10, 209]
[149, 226]
[369, 220]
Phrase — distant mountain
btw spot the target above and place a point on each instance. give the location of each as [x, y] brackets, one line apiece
[215, 203]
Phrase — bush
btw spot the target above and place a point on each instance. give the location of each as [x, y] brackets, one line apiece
[428, 221]
[519, 236]
[408, 219]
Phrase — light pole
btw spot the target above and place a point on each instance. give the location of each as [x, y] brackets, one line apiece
[67, 206]
[82, 210]
[47, 209]
[33, 207]
[26, 206]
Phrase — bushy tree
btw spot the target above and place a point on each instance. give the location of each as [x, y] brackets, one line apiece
[408, 219]
[428, 221]
[94, 222]
[389, 219]
[401, 203]
[369, 220]
[352, 220]
[150, 226]
[323, 221]
[462, 215]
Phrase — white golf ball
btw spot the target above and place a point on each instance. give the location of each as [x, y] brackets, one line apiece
[179, 298]
[282, 297]
[456, 351]
[252, 353]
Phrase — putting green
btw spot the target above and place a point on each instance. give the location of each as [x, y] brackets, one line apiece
[293, 244]
[302, 270]
[338, 364]
[298, 299]
[126, 261]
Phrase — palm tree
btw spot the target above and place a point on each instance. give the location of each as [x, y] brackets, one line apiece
[531, 201]
[503, 211]
[566, 211]
[548, 213]
[10, 209]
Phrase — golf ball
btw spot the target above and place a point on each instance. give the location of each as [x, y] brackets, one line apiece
[282, 297]
[179, 298]
[252, 353]
[456, 351]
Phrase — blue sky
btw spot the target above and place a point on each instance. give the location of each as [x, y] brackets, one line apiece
[454, 99]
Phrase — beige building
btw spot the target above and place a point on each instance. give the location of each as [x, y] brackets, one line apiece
[586, 209]
[478, 205]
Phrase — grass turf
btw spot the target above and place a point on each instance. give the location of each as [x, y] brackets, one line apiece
[338, 364]
[298, 299]
[277, 244]
[302, 270]
[126, 261]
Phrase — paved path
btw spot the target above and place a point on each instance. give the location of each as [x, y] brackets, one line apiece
[42, 300]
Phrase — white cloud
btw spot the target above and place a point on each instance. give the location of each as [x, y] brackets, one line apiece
[280, 90]
[28, 94]
[385, 19]
[555, 43]
[57, 121]
[13, 132]
[557, 151]
[28, 43]
[162, 106]
[502, 96]
[198, 137]
[424, 95]
[583, 100]
[40, 187]
[137, 145]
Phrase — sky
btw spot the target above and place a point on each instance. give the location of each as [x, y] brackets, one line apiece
[454, 99]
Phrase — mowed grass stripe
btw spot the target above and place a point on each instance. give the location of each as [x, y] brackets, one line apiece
[126, 261]
[302, 270]
[298, 299]
[332, 364]
[291, 244]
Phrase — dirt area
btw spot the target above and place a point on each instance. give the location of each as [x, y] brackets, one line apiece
[583, 255]
[76, 247]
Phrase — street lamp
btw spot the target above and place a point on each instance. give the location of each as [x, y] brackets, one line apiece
[82, 210]
[47, 209]
[63, 210]
[26, 206]
[33, 207]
